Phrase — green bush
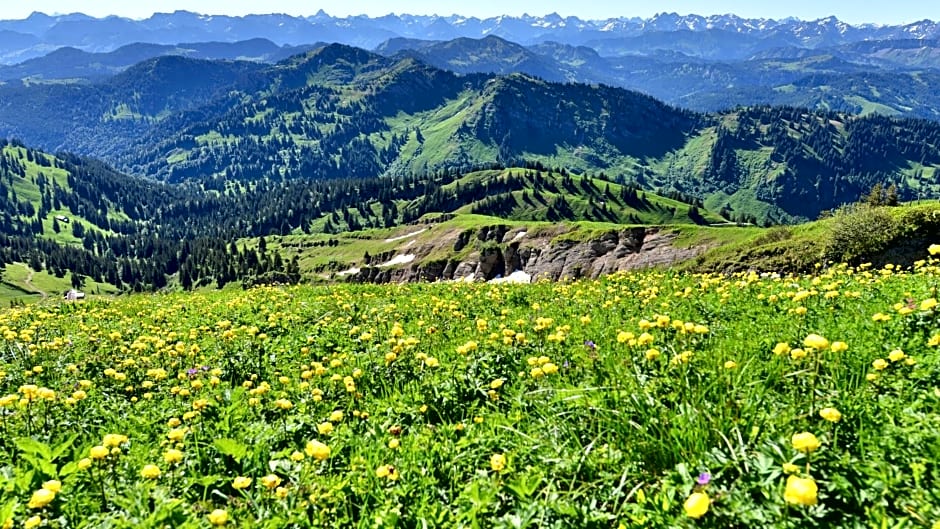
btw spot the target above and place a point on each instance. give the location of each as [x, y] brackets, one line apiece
[860, 231]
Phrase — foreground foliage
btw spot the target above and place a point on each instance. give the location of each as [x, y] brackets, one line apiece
[645, 399]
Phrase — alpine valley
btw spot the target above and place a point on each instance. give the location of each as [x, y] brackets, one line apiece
[509, 273]
[182, 157]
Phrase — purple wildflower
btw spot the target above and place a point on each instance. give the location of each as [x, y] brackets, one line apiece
[703, 479]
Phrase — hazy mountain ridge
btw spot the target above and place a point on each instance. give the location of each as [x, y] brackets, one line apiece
[40, 33]
[701, 63]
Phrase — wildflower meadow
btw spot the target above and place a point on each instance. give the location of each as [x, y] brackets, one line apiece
[644, 399]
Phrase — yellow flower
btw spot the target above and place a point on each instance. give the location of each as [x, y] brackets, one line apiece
[731, 364]
[652, 354]
[270, 481]
[830, 414]
[781, 349]
[805, 442]
[150, 472]
[172, 456]
[176, 434]
[53, 484]
[928, 304]
[790, 468]
[816, 342]
[317, 450]
[934, 249]
[98, 452]
[800, 491]
[797, 353]
[394, 443]
[32, 521]
[498, 462]
[112, 439]
[387, 471]
[41, 498]
[696, 505]
[879, 364]
[218, 517]
[84, 463]
[241, 482]
[838, 347]
[897, 355]
[282, 492]
[325, 428]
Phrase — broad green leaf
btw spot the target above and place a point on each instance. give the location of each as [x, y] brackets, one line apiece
[231, 447]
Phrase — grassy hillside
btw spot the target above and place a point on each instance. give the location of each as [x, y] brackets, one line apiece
[341, 112]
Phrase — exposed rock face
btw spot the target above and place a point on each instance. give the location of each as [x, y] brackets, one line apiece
[501, 251]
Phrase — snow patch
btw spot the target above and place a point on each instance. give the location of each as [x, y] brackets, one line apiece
[399, 259]
[519, 235]
[516, 277]
[349, 271]
[405, 236]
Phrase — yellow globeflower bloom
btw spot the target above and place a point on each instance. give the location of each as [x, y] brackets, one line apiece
[41, 498]
[176, 434]
[150, 472]
[270, 481]
[696, 505]
[879, 364]
[805, 442]
[84, 463]
[934, 249]
[112, 439]
[498, 462]
[317, 450]
[54, 485]
[98, 452]
[830, 414]
[897, 355]
[241, 482]
[816, 342]
[32, 521]
[838, 347]
[325, 428]
[172, 456]
[800, 491]
[218, 517]
[781, 349]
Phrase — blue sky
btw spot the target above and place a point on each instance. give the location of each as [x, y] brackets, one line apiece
[854, 11]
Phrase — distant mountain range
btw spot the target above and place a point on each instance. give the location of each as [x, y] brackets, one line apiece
[701, 63]
[719, 37]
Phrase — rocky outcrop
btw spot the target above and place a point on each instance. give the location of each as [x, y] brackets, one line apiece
[500, 251]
